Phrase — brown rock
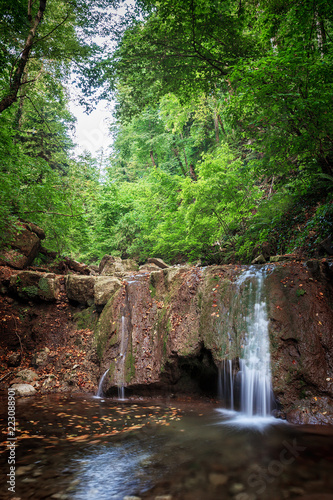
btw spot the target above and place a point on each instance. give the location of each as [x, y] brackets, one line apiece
[115, 266]
[158, 262]
[80, 288]
[35, 285]
[24, 247]
[104, 288]
[218, 479]
[259, 260]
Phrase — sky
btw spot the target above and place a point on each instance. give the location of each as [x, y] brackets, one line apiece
[92, 131]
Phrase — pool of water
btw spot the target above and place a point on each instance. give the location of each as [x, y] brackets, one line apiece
[79, 447]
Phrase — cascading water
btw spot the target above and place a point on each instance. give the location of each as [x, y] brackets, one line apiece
[255, 366]
[226, 383]
[121, 362]
[253, 381]
[100, 392]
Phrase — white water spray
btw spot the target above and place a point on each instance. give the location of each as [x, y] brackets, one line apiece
[121, 362]
[226, 383]
[254, 377]
[255, 366]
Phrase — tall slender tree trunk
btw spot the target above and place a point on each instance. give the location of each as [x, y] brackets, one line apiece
[216, 125]
[192, 172]
[16, 81]
[180, 163]
[152, 158]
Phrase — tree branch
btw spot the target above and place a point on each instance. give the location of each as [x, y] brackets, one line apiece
[52, 213]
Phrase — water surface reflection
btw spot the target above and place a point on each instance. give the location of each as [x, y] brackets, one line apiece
[74, 447]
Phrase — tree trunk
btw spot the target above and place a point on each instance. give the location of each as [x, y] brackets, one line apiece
[221, 123]
[176, 153]
[216, 125]
[152, 158]
[16, 82]
[192, 172]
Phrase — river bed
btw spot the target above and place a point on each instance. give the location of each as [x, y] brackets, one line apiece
[82, 447]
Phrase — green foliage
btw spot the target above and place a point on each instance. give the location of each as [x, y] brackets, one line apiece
[223, 132]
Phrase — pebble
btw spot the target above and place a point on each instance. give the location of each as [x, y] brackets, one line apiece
[60, 496]
[217, 479]
[164, 497]
[245, 496]
[236, 488]
[296, 491]
[37, 473]
[131, 498]
[24, 469]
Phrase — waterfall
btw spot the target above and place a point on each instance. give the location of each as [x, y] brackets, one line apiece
[100, 392]
[226, 384]
[254, 377]
[121, 362]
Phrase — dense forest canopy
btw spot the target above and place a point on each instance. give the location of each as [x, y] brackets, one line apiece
[222, 138]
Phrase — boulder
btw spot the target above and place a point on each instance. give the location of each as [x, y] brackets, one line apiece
[81, 288]
[149, 267]
[24, 246]
[35, 285]
[23, 390]
[327, 245]
[27, 375]
[104, 288]
[94, 270]
[158, 262]
[115, 266]
[68, 266]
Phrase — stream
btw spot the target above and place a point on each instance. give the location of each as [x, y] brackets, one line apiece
[82, 447]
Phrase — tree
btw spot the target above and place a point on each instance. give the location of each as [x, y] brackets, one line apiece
[183, 47]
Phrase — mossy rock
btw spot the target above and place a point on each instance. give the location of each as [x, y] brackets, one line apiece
[31, 285]
[86, 319]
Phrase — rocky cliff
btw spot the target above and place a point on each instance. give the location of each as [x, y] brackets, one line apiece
[180, 323]
[167, 329]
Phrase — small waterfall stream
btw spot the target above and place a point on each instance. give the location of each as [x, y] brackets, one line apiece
[121, 362]
[100, 392]
[252, 386]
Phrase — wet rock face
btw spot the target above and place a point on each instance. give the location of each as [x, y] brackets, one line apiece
[167, 346]
[301, 320]
[181, 322]
[169, 329]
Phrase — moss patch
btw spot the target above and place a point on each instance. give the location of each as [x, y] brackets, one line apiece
[86, 319]
[129, 367]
